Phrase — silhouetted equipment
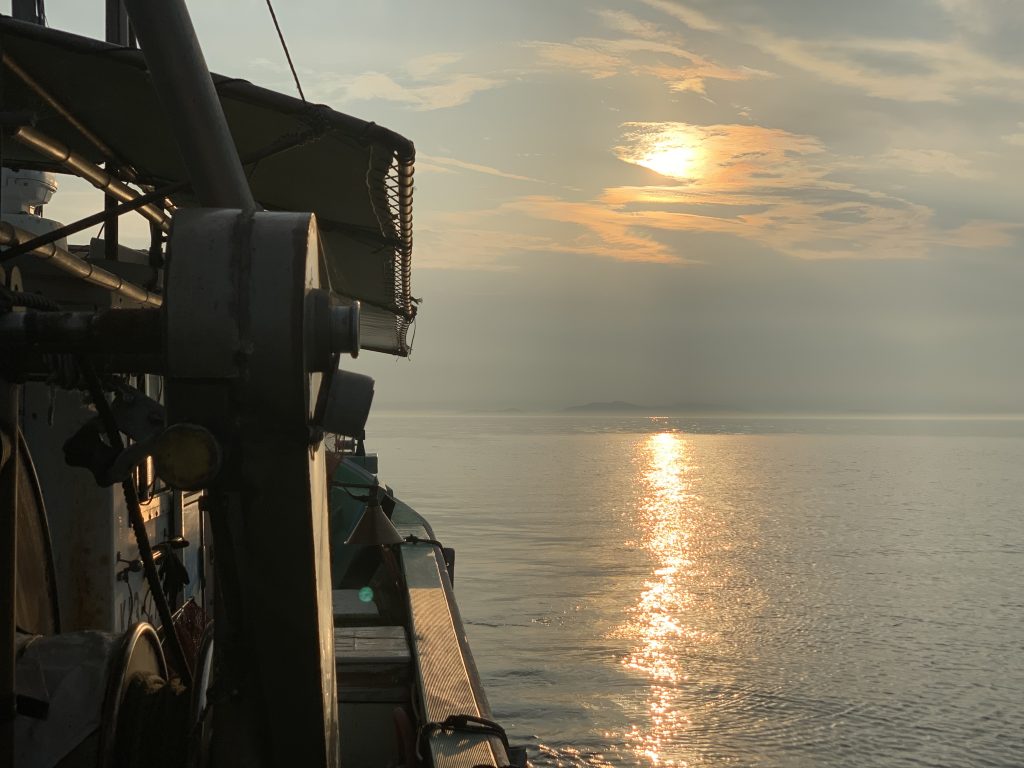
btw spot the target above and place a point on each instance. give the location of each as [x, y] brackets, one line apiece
[182, 582]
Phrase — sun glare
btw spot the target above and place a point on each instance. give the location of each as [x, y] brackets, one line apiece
[675, 150]
[678, 162]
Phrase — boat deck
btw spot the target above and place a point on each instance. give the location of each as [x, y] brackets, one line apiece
[402, 658]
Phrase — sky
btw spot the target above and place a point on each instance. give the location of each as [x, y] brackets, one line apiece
[787, 206]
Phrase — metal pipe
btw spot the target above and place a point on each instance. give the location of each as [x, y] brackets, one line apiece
[80, 166]
[115, 332]
[89, 221]
[57, 107]
[183, 83]
[126, 173]
[80, 268]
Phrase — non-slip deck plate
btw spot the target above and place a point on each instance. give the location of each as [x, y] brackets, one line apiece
[445, 684]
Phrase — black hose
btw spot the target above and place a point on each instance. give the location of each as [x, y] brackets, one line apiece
[131, 497]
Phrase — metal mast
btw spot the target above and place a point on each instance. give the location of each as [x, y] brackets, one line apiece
[182, 80]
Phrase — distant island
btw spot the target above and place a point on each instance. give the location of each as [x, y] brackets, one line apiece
[615, 405]
[621, 406]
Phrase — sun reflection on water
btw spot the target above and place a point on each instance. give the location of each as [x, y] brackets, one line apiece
[665, 519]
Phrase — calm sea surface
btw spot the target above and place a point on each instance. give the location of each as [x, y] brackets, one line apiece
[714, 592]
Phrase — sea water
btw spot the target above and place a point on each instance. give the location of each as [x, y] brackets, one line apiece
[751, 592]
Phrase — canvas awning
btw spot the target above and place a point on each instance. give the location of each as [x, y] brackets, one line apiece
[357, 177]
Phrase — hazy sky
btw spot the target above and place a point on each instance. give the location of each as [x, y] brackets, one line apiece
[787, 205]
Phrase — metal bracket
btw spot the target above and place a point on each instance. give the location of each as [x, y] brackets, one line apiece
[138, 416]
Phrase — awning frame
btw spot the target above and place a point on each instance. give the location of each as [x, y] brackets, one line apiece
[389, 177]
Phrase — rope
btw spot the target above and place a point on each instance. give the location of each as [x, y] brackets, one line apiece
[465, 724]
[284, 45]
[27, 300]
[418, 540]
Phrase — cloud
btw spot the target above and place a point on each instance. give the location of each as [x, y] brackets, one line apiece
[423, 67]
[580, 57]
[424, 165]
[923, 161]
[424, 85]
[449, 164]
[448, 92]
[487, 239]
[721, 157]
[766, 186]
[1015, 139]
[476, 240]
[596, 230]
[912, 69]
[902, 70]
[642, 49]
[982, 17]
[780, 190]
[692, 18]
[628, 24]
[680, 69]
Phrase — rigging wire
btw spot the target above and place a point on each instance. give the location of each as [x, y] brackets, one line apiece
[284, 45]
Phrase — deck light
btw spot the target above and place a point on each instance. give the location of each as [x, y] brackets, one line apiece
[187, 456]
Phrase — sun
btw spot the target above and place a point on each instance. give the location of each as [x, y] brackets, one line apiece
[675, 150]
[678, 161]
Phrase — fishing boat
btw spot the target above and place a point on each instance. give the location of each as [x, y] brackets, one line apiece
[200, 564]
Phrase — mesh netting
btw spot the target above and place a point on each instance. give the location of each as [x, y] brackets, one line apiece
[390, 180]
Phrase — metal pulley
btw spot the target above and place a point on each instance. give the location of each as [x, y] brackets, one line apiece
[249, 329]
